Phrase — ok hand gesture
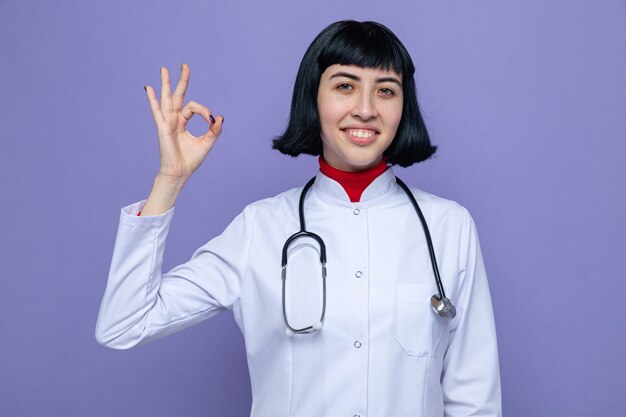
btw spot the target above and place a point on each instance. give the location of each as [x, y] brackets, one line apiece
[181, 153]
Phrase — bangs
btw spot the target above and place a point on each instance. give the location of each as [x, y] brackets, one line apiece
[367, 45]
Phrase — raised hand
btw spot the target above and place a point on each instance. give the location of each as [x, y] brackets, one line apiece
[181, 153]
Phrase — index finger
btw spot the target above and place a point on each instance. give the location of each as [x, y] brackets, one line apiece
[181, 88]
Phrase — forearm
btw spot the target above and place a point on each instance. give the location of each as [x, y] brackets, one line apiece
[471, 370]
[140, 304]
[134, 278]
[163, 196]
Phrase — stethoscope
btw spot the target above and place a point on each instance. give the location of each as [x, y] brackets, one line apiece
[439, 302]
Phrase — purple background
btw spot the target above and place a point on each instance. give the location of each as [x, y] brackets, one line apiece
[526, 100]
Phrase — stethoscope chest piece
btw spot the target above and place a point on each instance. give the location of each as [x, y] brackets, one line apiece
[443, 306]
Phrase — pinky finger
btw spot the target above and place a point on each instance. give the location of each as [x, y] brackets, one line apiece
[154, 105]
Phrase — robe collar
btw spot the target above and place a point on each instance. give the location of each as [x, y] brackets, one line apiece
[382, 185]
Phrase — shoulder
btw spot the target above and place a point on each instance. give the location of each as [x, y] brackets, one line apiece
[447, 218]
[265, 215]
[443, 213]
[440, 206]
[271, 206]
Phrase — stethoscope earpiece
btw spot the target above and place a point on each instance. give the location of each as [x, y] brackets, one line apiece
[443, 306]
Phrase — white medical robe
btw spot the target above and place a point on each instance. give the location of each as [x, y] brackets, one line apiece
[382, 351]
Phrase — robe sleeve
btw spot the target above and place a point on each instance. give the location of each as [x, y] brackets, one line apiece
[142, 304]
[471, 377]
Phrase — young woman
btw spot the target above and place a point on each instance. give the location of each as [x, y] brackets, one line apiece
[335, 285]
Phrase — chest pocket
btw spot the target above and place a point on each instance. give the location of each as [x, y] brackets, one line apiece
[418, 329]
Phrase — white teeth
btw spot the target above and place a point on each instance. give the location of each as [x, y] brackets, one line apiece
[360, 133]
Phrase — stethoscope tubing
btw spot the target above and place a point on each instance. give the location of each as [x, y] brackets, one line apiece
[429, 241]
[304, 233]
[440, 303]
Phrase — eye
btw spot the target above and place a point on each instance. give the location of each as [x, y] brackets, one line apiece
[344, 86]
[387, 91]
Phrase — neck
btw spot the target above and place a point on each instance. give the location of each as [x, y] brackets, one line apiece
[354, 183]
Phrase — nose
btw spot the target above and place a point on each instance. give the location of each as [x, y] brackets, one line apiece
[364, 106]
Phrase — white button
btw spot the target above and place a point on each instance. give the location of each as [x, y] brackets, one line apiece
[356, 212]
[357, 344]
[358, 274]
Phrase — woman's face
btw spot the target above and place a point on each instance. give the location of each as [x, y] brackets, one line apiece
[360, 110]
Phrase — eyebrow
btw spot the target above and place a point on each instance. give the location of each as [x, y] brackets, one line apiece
[355, 78]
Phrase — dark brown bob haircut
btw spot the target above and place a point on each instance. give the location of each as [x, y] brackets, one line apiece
[367, 45]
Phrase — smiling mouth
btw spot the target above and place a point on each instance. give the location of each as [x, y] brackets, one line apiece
[360, 133]
[360, 136]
